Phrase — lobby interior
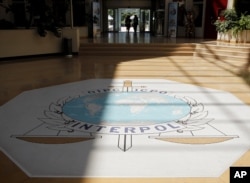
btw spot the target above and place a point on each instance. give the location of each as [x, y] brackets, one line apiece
[201, 62]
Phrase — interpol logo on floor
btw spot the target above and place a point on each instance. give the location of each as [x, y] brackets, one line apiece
[239, 174]
[129, 110]
[125, 128]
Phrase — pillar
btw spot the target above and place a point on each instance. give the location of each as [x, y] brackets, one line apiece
[230, 4]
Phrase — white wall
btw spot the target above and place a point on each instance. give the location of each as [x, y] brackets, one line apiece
[26, 42]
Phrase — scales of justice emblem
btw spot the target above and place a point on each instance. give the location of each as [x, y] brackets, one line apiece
[125, 111]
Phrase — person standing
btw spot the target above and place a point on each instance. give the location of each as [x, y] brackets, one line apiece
[135, 23]
[128, 23]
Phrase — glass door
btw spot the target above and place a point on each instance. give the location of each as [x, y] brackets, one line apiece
[111, 20]
[123, 14]
[116, 19]
[145, 18]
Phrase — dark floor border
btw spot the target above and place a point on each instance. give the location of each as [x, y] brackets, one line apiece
[16, 58]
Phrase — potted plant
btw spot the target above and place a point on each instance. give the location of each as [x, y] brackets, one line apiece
[236, 31]
[221, 27]
[244, 24]
[226, 23]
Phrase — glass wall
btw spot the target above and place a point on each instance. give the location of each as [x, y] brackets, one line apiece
[116, 19]
[145, 23]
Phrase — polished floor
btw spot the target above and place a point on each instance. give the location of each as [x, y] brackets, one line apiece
[145, 38]
[22, 74]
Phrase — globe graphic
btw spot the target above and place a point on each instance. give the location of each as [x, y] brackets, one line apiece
[122, 108]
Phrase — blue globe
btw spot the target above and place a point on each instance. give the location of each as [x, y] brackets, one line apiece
[133, 108]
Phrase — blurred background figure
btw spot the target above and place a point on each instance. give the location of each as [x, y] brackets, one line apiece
[135, 23]
[128, 23]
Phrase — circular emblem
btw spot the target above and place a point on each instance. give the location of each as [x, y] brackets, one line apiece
[121, 108]
[137, 112]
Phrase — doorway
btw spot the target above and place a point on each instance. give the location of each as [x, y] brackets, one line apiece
[116, 19]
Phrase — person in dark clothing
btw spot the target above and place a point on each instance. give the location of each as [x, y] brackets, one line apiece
[128, 23]
[135, 23]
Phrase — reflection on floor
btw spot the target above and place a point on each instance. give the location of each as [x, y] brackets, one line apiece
[134, 38]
